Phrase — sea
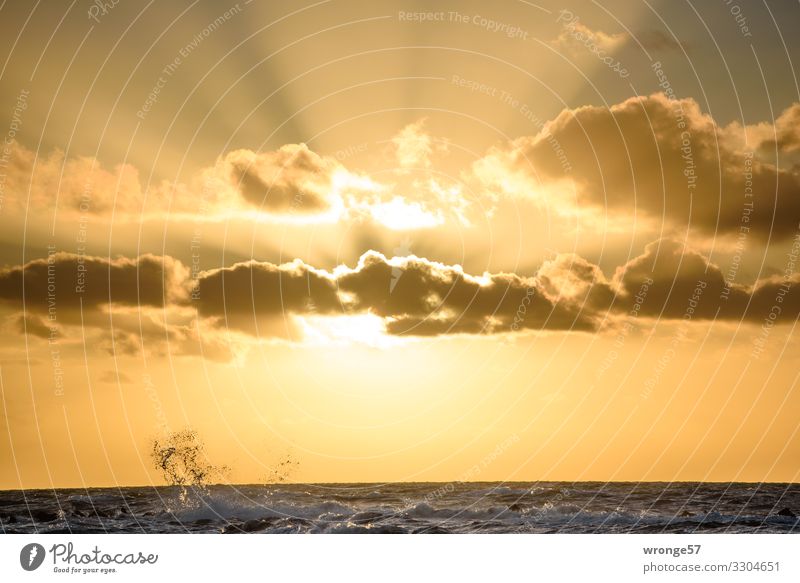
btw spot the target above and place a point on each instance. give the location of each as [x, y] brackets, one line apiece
[456, 507]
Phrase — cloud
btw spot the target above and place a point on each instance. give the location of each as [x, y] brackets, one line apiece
[151, 304]
[428, 298]
[782, 136]
[787, 129]
[115, 377]
[290, 179]
[672, 274]
[571, 277]
[173, 330]
[399, 214]
[653, 157]
[291, 184]
[33, 325]
[650, 155]
[413, 146]
[419, 297]
[120, 303]
[78, 183]
[657, 40]
[256, 297]
[84, 186]
[64, 282]
[576, 36]
[124, 306]
[676, 275]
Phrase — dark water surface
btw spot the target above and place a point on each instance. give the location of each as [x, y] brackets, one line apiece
[538, 507]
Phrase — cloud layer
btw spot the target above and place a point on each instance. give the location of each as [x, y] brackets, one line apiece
[156, 298]
[661, 157]
[658, 158]
[414, 296]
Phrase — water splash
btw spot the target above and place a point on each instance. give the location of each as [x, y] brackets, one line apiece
[282, 471]
[182, 461]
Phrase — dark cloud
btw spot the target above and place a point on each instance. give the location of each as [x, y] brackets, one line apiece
[656, 40]
[291, 179]
[126, 306]
[415, 296]
[430, 297]
[32, 325]
[676, 275]
[664, 158]
[569, 277]
[671, 275]
[786, 132]
[255, 296]
[419, 297]
[63, 282]
[115, 377]
[150, 304]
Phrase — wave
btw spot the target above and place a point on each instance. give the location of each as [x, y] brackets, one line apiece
[411, 508]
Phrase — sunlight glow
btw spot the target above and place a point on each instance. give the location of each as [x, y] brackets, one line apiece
[400, 215]
[363, 329]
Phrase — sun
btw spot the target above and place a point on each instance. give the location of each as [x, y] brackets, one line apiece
[343, 330]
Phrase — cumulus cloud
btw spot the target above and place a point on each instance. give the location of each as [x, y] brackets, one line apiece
[83, 185]
[63, 282]
[292, 183]
[787, 129]
[782, 136]
[671, 274]
[290, 179]
[125, 306]
[654, 155]
[257, 297]
[427, 298]
[452, 300]
[661, 159]
[419, 297]
[119, 301]
[571, 277]
[675, 275]
[152, 303]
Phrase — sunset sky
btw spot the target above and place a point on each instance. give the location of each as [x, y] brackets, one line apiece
[400, 241]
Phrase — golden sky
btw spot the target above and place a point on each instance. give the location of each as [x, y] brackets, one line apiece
[400, 241]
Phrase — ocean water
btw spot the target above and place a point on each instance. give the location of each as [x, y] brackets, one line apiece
[540, 507]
